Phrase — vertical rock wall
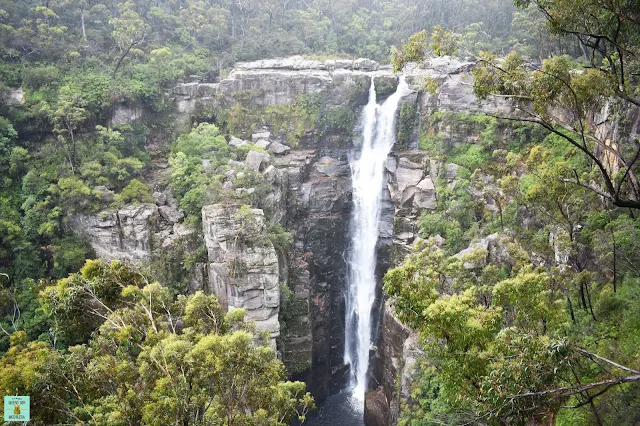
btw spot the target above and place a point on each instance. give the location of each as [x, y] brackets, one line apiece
[243, 264]
[308, 171]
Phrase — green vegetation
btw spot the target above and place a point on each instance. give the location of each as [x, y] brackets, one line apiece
[293, 317]
[338, 120]
[199, 161]
[293, 121]
[469, 139]
[528, 318]
[146, 357]
[80, 61]
[539, 327]
[406, 124]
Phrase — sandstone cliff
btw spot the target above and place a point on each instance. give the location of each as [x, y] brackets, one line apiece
[304, 114]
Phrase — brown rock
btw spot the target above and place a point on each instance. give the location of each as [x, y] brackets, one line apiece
[376, 408]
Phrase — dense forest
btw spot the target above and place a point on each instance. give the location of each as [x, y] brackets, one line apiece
[546, 331]
[544, 323]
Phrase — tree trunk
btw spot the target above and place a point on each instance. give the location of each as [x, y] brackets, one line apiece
[590, 304]
[124, 55]
[615, 264]
[84, 32]
[573, 317]
[582, 298]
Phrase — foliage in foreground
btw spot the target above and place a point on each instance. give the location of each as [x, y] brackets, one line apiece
[151, 359]
[541, 325]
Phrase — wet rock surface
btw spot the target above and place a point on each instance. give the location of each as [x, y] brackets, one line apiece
[376, 408]
[388, 361]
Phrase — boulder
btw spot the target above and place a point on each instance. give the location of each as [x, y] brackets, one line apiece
[448, 65]
[257, 161]
[495, 250]
[235, 164]
[406, 236]
[278, 149]
[364, 64]
[236, 142]
[181, 231]
[476, 262]
[14, 97]
[275, 202]
[376, 408]
[262, 143]
[171, 214]
[408, 174]
[425, 197]
[260, 135]
[391, 164]
[451, 171]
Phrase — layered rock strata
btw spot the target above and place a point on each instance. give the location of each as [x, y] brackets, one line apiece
[303, 116]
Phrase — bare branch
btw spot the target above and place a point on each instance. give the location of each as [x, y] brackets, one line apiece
[572, 390]
[615, 364]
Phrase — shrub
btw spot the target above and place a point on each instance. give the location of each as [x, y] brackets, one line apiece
[136, 192]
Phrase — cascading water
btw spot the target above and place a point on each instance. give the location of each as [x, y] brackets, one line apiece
[367, 174]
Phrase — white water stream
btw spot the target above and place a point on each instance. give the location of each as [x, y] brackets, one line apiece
[367, 173]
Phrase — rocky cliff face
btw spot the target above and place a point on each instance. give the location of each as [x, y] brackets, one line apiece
[243, 264]
[305, 114]
[133, 231]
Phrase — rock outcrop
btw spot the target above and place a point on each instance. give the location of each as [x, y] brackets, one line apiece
[388, 361]
[410, 185]
[119, 234]
[243, 264]
[376, 408]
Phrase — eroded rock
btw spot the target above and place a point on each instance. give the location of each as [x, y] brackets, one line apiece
[171, 214]
[257, 161]
[376, 409]
[236, 142]
[243, 264]
[278, 148]
[122, 234]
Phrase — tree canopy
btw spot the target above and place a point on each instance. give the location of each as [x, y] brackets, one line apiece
[147, 358]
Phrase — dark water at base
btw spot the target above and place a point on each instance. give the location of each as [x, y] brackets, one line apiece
[338, 410]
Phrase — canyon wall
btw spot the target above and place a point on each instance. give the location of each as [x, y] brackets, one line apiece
[304, 116]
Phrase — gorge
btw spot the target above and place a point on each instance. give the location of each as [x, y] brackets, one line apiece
[322, 188]
[323, 213]
[341, 163]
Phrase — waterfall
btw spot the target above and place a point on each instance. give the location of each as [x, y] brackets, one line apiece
[367, 174]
